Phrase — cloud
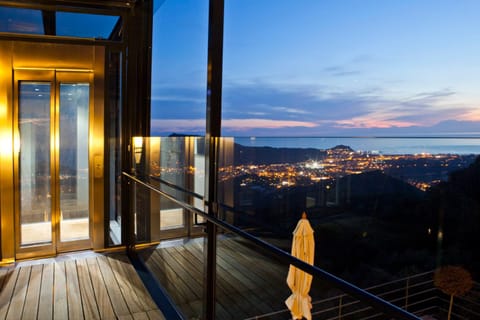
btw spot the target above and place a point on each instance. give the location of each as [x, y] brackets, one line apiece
[433, 95]
[263, 108]
[340, 71]
[290, 110]
[198, 125]
[177, 125]
[173, 98]
[245, 124]
[366, 122]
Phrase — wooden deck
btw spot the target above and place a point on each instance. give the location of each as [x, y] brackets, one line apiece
[249, 283]
[93, 286]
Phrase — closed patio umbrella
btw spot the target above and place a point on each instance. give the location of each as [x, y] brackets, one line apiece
[303, 247]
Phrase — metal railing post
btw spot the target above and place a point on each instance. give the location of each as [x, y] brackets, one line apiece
[340, 303]
[406, 293]
[212, 135]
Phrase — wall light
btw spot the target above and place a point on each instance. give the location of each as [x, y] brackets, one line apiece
[137, 148]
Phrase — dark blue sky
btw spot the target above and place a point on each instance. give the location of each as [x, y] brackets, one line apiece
[330, 67]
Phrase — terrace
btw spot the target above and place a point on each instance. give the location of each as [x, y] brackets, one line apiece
[188, 226]
[250, 285]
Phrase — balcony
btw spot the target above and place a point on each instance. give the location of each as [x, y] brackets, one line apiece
[357, 201]
[371, 262]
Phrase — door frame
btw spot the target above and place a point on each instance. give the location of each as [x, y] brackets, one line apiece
[32, 55]
[54, 77]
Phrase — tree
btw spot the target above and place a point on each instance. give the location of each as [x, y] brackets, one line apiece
[454, 281]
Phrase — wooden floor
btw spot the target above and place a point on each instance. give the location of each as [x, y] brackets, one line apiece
[249, 283]
[93, 286]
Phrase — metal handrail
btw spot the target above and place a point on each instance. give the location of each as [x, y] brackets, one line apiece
[362, 295]
[173, 186]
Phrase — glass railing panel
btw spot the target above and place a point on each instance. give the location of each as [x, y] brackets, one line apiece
[378, 216]
[178, 265]
[381, 208]
[175, 164]
[252, 284]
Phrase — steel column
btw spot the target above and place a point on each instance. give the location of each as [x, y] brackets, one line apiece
[213, 132]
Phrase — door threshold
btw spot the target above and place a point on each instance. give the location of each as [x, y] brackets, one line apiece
[64, 256]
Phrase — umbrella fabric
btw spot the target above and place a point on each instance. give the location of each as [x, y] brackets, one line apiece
[303, 247]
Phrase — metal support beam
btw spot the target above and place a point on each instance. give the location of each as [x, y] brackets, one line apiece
[49, 22]
[213, 132]
[136, 109]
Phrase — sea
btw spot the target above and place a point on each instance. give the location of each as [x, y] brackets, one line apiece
[380, 145]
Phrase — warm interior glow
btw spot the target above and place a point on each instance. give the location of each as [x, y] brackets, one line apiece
[137, 148]
[5, 138]
[137, 143]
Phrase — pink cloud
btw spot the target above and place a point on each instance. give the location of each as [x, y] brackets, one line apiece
[243, 124]
[365, 122]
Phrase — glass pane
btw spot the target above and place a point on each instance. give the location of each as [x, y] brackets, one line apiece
[114, 97]
[73, 168]
[17, 20]
[179, 67]
[85, 25]
[34, 164]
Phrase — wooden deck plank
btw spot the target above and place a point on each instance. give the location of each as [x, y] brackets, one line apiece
[195, 274]
[139, 288]
[7, 291]
[250, 292]
[89, 300]
[3, 275]
[193, 282]
[194, 266]
[161, 271]
[253, 296]
[251, 299]
[179, 293]
[140, 316]
[87, 288]
[227, 309]
[270, 285]
[60, 307]
[19, 294]
[265, 268]
[225, 274]
[102, 298]
[161, 275]
[133, 302]
[30, 309]
[155, 315]
[74, 300]
[255, 255]
[231, 285]
[223, 270]
[119, 304]
[45, 309]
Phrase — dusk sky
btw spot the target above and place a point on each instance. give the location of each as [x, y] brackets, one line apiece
[322, 67]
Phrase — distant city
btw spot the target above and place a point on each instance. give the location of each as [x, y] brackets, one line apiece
[420, 170]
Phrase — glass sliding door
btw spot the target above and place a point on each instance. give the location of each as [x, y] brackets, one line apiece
[73, 165]
[53, 194]
[35, 167]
